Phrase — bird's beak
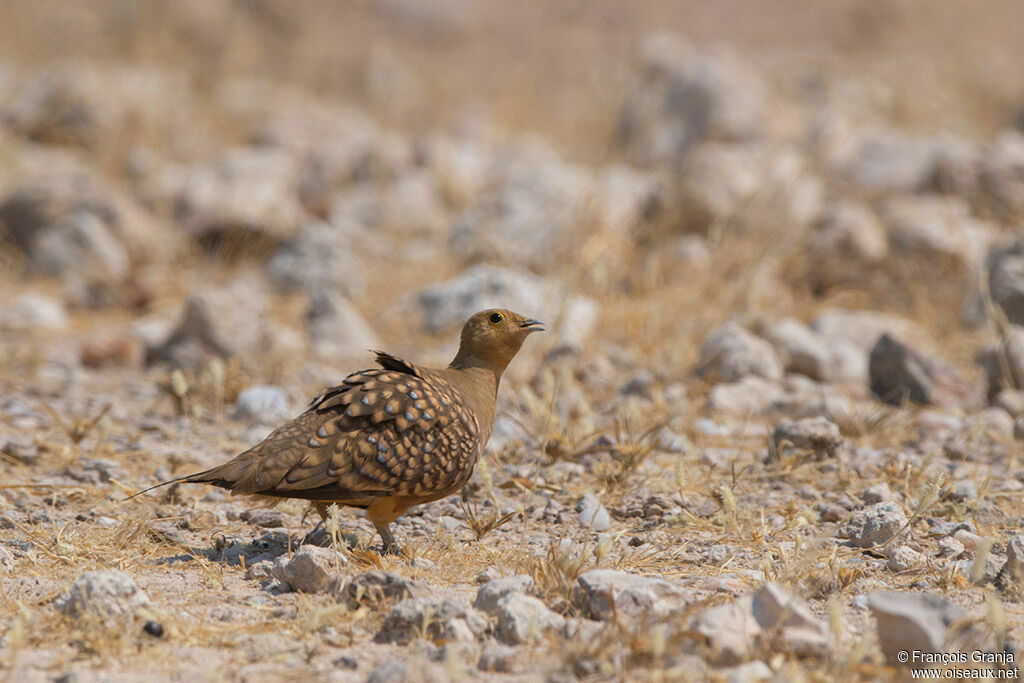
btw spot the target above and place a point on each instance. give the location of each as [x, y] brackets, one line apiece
[532, 325]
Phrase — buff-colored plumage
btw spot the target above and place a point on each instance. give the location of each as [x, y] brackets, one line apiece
[387, 439]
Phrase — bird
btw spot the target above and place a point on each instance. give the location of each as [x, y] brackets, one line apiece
[388, 438]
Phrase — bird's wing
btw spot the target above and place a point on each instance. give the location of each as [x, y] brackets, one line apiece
[379, 433]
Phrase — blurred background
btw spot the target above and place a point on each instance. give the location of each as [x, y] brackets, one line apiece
[277, 184]
[778, 247]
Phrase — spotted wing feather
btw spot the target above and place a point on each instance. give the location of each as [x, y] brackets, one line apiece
[381, 432]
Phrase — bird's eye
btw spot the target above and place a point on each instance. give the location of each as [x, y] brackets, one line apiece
[495, 318]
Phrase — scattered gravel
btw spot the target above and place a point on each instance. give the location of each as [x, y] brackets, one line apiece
[178, 279]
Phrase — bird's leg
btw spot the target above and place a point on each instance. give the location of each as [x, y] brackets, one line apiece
[389, 547]
[318, 535]
[382, 512]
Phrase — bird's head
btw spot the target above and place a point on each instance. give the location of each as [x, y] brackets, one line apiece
[493, 337]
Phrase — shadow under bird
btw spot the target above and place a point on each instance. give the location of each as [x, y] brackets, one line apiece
[385, 439]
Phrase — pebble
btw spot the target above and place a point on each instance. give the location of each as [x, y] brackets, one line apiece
[262, 403]
[33, 311]
[311, 570]
[912, 621]
[904, 558]
[1013, 569]
[108, 594]
[950, 547]
[490, 594]
[523, 619]
[818, 435]
[592, 515]
[21, 449]
[963, 491]
[874, 525]
[431, 617]
[603, 593]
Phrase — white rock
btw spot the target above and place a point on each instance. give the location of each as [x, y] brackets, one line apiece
[748, 672]
[33, 311]
[499, 658]
[789, 624]
[750, 395]
[490, 593]
[970, 540]
[90, 105]
[331, 145]
[263, 403]
[817, 434]
[904, 558]
[376, 587]
[223, 321]
[1013, 568]
[685, 96]
[624, 199]
[886, 160]
[84, 245]
[576, 325]
[849, 231]
[412, 204]
[1004, 364]
[6, 559]
[109, 593]
[731, 353]
[912, 621]
[592, 515]
[1002, 176]
[937, 230]
[311, 569]
[690, 251]
[1010, 401]
[874, 525]
[433, 618]
[801, 349]
[252, 189]
[523, 619]
[534, 214]
[462, 166]
[879, 493]
[963, 491]
[950, 547]
[337, 328]
[318, 257]
[740, 185]
[1005, 266]
[602, 593]
[730, 631]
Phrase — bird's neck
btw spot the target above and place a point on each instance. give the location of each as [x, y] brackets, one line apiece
[481, 373]
[478, 385]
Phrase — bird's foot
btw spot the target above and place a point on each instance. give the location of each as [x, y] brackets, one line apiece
[391, 548]
[318, 536]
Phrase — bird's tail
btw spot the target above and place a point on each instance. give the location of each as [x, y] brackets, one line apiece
[156, 486]
[226, 476]
[203, 477]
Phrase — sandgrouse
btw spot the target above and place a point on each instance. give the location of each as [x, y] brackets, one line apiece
[386, 439]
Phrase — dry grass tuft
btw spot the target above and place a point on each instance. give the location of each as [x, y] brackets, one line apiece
[481, 525]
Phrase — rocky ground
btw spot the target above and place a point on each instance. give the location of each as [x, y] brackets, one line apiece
[773, 431]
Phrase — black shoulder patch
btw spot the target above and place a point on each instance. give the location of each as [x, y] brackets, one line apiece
[395, 364]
